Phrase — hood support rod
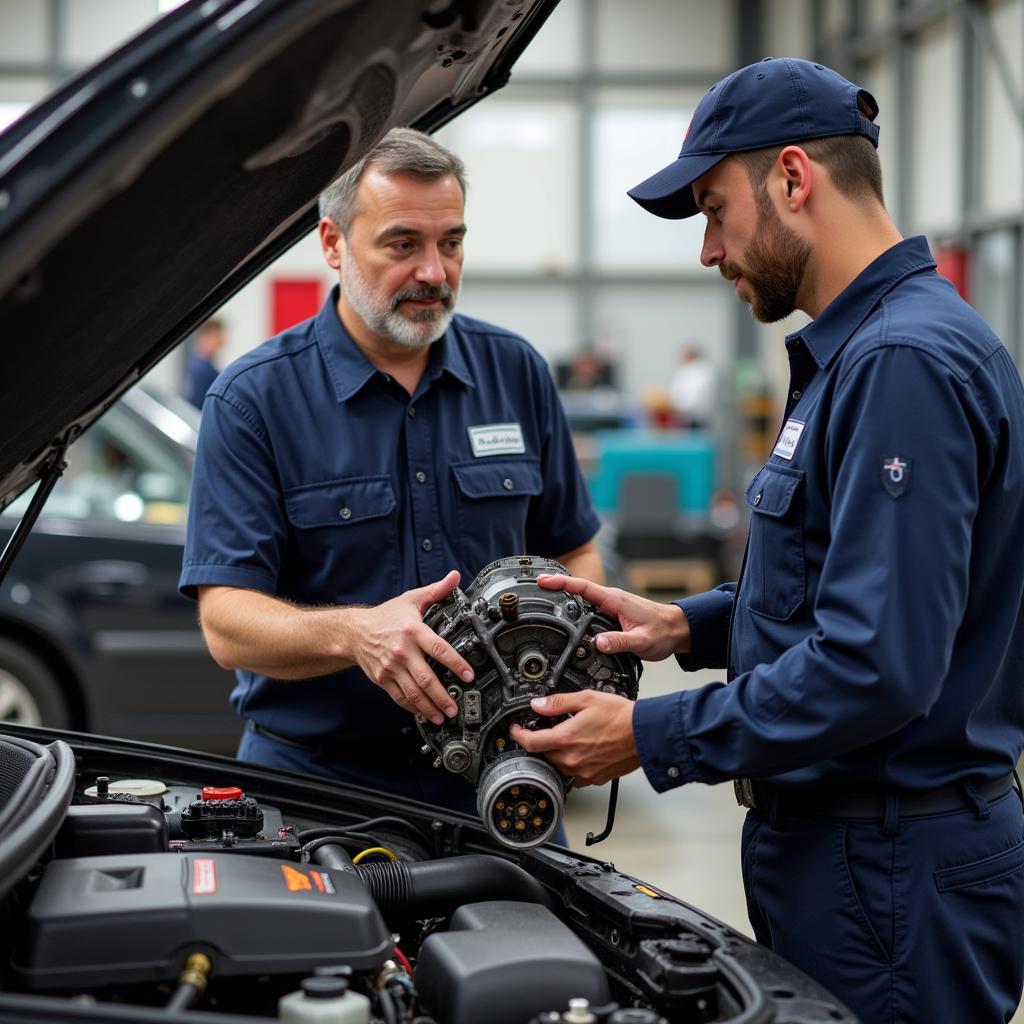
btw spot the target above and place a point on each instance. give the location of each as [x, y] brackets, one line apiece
[53, 471]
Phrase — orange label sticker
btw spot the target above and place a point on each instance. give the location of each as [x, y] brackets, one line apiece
[295, 880]
[204, 876]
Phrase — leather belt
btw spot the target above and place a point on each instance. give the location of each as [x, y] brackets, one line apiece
[863, 803]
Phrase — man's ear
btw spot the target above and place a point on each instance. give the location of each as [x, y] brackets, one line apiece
[794, 174]
[332, 243]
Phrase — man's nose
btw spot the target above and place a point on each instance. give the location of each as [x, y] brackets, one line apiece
[430, 268]
[711, 253]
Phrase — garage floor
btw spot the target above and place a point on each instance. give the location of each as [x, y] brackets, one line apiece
[686, 841]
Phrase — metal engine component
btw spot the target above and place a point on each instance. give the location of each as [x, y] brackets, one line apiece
[522, 641]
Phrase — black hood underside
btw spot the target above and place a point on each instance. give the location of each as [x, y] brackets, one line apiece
[147, 191]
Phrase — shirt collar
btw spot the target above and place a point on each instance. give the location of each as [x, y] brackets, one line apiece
[826, 336]
[350, 370]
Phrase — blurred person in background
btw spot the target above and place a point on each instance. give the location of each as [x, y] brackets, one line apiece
[691, 392]
[348, 465]
[200, 371]
[873, 646]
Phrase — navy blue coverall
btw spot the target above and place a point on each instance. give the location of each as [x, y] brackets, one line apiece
[874, 648]
[318, 479]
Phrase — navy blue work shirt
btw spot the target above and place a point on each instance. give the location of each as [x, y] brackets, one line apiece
[318, 479]
[876, 630]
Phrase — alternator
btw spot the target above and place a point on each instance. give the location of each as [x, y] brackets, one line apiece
[522, 641]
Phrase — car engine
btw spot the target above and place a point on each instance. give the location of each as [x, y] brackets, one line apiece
[227, 893]
[523, 641]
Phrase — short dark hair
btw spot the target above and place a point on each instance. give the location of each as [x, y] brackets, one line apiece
[402, 150]
[850, 160]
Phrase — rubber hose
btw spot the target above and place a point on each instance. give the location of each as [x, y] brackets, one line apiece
[329, 855]
[436, 888]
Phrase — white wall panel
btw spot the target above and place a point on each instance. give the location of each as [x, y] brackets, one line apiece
[636, 133]
[935, 136]
[1001, 168]
[788, 29]
[522, 160]
[24, 31]
[555, 50]
[880, 80]
[665, 35]
[95, 27]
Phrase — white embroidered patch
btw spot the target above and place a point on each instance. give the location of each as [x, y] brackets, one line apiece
[787, 442]
[497, 439]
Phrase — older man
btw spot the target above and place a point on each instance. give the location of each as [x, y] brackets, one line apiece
[351, 468]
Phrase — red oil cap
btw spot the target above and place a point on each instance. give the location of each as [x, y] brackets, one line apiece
[221, 793]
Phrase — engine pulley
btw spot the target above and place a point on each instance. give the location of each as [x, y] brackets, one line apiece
[523, 642]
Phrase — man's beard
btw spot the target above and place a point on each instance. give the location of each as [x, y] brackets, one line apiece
[383, 315]
[776, 261]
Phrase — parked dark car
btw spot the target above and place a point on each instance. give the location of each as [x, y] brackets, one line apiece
[141, 883]
[93, 632]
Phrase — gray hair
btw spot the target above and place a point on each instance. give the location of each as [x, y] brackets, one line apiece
[402, 150]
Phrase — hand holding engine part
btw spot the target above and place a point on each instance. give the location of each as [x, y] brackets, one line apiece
[522, 642]
[391, 643]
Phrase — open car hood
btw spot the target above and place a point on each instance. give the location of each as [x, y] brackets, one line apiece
[145, 192]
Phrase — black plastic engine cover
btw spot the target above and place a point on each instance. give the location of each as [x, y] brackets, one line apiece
[504, 962]
[96, 921]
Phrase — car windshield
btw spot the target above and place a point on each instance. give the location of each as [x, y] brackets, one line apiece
[132, 465]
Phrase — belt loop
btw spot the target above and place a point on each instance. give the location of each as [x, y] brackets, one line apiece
[775, 810]
[976, 800]
[891, 818]
[1018, 788]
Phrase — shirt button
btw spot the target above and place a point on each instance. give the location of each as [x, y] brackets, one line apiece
[673, 772]
[507, 484]
[421, 477]
[412, 410]
[427, 545]
[345, 513]
[796, 396]
[757, 499]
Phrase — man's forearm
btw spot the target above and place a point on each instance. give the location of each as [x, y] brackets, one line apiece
[585, 562]
[251, 630]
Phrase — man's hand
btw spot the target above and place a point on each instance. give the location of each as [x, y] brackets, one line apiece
[389, 642]
[596, 745]
[650, 630]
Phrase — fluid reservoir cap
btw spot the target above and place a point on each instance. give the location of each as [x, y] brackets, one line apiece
[222, 793]
[144, 789]
[324, 987]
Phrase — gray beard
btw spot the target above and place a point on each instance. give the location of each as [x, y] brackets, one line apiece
[381, 313]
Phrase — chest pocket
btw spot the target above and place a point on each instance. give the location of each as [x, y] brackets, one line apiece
[344, 530]
[493, 501]
[775, 576]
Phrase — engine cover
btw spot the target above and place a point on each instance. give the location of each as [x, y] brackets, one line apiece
[134, 918]
[522, 641]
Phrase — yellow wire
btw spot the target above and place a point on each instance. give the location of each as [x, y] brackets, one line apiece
[374, 849]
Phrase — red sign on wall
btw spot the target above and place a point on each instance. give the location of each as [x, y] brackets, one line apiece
[293, 299]
[952, 262]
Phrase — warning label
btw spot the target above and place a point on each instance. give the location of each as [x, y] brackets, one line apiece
[204, 876]
[300, 881]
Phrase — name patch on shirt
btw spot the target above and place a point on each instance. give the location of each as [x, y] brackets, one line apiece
[788, 439]
[497, 439]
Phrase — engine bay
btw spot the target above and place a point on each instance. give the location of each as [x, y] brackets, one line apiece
[210, 890]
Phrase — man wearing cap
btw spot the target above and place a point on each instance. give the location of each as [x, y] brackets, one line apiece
[874, 643]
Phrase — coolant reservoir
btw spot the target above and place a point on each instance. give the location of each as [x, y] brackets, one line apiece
[324, 1000]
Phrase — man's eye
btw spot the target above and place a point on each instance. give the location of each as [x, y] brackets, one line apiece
[401, 246]
[713, 211]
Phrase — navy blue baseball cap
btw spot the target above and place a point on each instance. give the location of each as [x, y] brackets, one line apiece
[771, 103]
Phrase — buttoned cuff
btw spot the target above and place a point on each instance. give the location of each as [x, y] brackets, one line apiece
[708, 617]
[659, 729]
